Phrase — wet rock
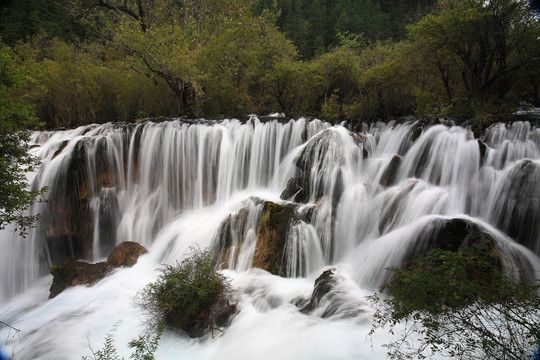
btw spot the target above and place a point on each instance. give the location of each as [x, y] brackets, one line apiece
[313, 160]
[483, 149]
[67, 219]
[517, 209]
[323, 286]
[330, 299]
[271, 227]
[451, 235]
[126, 254]
[393, 206]
[230, 237]
[77, 272]
[272, 231]
[388, 178]
[416, 132]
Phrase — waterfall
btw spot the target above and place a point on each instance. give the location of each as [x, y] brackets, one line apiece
[356, 202]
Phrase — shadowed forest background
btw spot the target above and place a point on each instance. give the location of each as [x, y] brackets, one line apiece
[94, 61]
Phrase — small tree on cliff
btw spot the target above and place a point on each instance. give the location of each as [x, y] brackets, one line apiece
[459, 305]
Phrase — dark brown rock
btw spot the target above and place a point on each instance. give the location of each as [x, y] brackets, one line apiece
[272, 238]
[388, 178]
[272, 230]
[126, 254]
[77, 272]
[323, 285]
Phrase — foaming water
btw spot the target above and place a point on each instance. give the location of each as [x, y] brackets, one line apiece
[360, 203]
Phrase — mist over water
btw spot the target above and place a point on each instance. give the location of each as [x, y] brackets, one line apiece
[362, 202]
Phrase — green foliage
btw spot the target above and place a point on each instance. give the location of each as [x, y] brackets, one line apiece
[144, 347]
[314, 26]
[71, 85]
[15, 161]
[471, 55]
[458, 304]
[188, 296]
[23, 19]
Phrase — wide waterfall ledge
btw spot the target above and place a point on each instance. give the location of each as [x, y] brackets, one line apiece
[279, 202]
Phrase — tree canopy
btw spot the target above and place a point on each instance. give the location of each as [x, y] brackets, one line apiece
[15, 162]
[355, 60]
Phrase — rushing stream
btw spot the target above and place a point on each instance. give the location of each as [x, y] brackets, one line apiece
[361, 202]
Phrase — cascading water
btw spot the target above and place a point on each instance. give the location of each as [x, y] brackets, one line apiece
[354, 202]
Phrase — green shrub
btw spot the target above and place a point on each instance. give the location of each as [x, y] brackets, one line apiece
[191, 296]
[458, 304]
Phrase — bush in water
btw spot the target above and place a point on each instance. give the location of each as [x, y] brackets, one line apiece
[444, 304]
[191, 296]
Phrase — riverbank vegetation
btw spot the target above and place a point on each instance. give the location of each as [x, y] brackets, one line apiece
[369, 60]
[458, 304]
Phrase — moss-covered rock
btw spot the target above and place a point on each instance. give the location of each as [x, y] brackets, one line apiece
[272, 231]
[272, 228]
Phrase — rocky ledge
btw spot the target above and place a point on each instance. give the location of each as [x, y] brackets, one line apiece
[77, 272]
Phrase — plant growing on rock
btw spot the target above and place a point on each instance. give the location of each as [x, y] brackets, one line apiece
[191, 296]
[458, 304]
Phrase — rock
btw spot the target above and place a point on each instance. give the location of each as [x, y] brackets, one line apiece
[331, 299]
[416, 132]
[321, 150]
[126, 254]
[271, 228]
[388, 178]
[483, 149]
[77, 272]
[230, 238]
[272, 232]
[516, 210]
[323, 285]
[219, 315]
[454, 234]
[393, 206]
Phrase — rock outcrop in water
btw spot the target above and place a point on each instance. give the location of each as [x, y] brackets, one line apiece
[330, 298]
[517, 207]
[272, 233]
[67, 219]
[77, 272]
[271, 227]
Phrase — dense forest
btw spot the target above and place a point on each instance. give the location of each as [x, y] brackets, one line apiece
[86, 61]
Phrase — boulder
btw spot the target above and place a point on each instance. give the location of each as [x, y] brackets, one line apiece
[271, 228]
[388, 178]
[126, 254]
[272, 231]
[77, 272]
[323, 286]
[331, 299]
[516, 210]
[456, 234]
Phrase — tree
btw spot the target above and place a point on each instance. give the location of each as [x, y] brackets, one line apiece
[195, 46]
[477, 47]
[15, 161]
[459, 304]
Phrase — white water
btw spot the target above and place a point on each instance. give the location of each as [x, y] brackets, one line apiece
[177, 182]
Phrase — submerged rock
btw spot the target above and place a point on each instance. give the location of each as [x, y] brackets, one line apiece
[330, 299]
[388, 178]
[517, 208]
[77, 272]
[324, 284]
[271, 225]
